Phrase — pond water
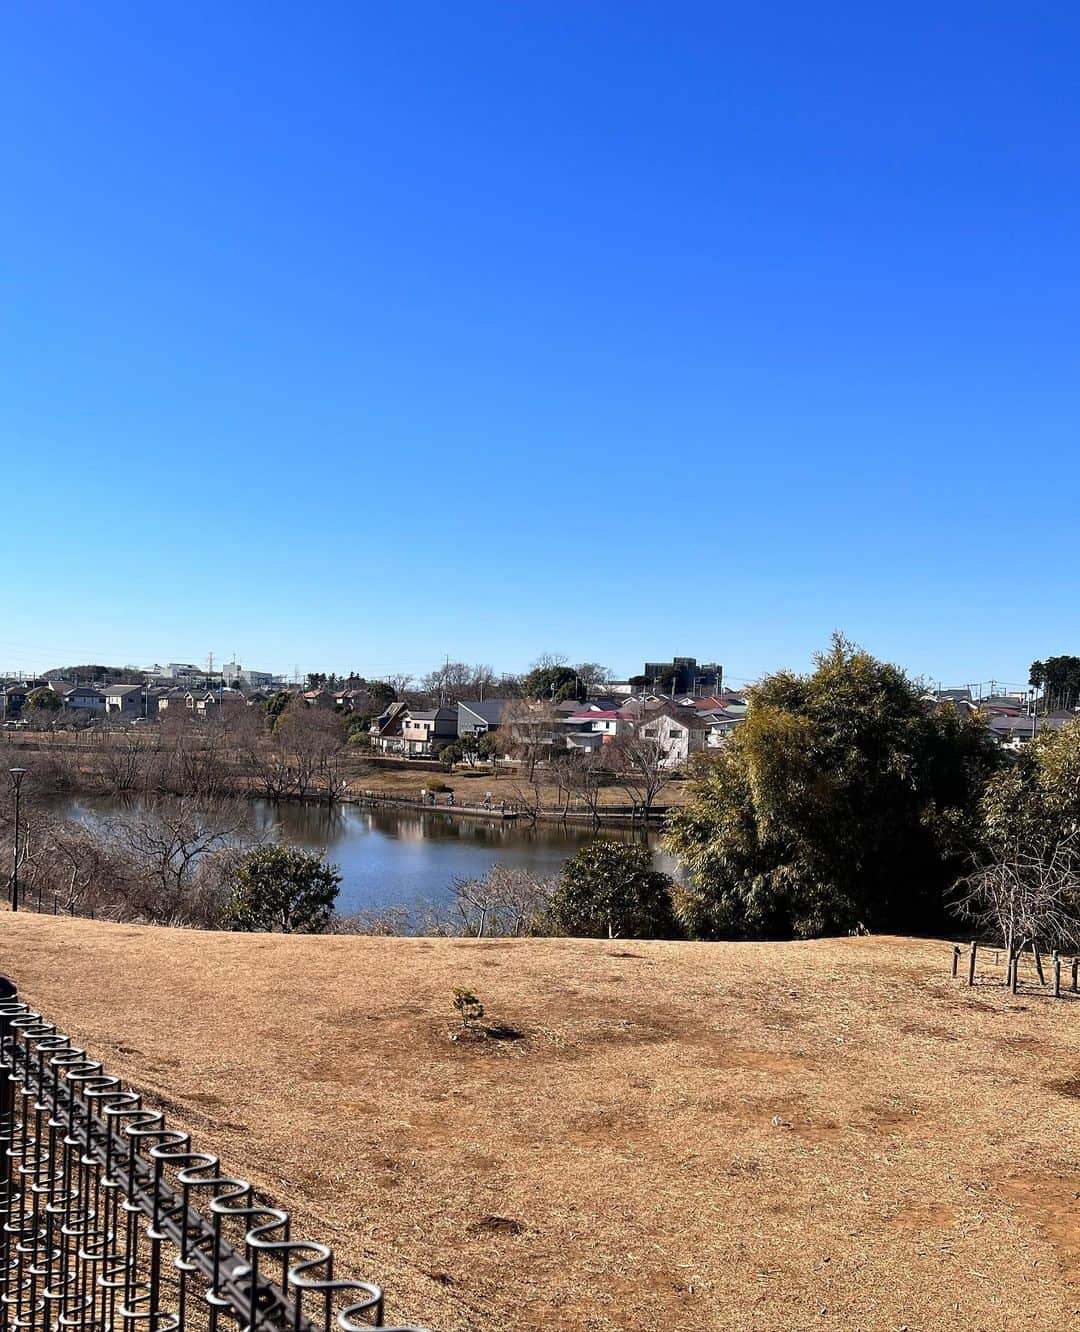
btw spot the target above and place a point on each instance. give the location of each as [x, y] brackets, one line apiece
[401, 857]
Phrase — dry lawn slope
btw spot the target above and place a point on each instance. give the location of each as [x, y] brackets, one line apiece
[825, 1135]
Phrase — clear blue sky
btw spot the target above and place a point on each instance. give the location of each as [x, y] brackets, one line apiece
[352, 335]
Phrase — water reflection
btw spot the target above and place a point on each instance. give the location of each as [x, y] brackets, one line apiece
[403, 857]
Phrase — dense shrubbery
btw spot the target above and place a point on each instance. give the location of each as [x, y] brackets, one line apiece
[843, 802]
[282, 888]
[610, 890]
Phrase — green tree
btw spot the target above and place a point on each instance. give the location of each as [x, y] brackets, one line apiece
[844, 801]
[275, 705]
[1059, 680]
[1037, 798]
[283, 888]
[553, 684]
[44, 700]
[611, 890]
[451, 754]
[357, 727]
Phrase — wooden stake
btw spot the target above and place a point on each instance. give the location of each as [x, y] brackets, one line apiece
[1057, 975]
[1038, 961]
[971, 963]
[1075, 970]
[955, 958]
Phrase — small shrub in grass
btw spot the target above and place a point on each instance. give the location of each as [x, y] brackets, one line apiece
[468, 1008]
[438, 786]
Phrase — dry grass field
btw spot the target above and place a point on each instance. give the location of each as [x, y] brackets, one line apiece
[827, 1135]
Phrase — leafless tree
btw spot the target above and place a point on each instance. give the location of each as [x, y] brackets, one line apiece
[586, 772]
[1031, 896]
[592, 675]
[387, 922]
[506, 901]
[127, 758]
[527, 733]
[639, 761]
[312, 741]
[457, 679]
[171, 844]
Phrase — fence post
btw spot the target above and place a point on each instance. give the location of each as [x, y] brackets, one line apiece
[1015, 970]
[971, 963]
[1075, 969]
[1057, 974]
[1037, 954]
[955, 958]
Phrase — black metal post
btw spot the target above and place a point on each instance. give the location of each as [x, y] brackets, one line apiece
[16, 775]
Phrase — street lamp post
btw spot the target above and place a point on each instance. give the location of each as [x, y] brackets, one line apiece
[16, 775]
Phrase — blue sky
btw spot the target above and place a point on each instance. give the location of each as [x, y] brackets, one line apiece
[351, 336]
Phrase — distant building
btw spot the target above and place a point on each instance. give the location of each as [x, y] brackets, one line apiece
[478, 718]
[683, 675]
[12, 700]
[123, 701]
[232, 670]
[425, 732]
[679, 733]
[80, 697]
[386, 729]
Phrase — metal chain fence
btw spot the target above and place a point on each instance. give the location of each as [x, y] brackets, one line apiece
[109, 1219]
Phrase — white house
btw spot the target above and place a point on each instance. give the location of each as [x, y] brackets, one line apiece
[679, 731]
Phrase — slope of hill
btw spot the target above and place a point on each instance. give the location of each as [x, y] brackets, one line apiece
[788, 1136]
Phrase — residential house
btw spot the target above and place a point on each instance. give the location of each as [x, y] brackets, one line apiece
[170, 698]
[679, 731]
[478, 717]
[425, 731]
[11, 702]
[81, 698]
[608, 723]
[720, 726]
[1015, 731]
[386, 729]
[584, 740]
[123, 702]
[154, 697]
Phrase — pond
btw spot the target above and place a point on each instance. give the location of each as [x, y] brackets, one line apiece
[400, 857]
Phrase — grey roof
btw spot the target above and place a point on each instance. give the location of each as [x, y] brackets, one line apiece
[115, 691]
[489, 710]
[688, 717]
[433, 714]
[1010, 724]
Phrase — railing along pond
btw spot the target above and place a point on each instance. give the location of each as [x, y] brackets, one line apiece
[109, 1219]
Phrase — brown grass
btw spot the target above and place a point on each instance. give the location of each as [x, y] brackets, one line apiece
[829, 1134]
[469, 786]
